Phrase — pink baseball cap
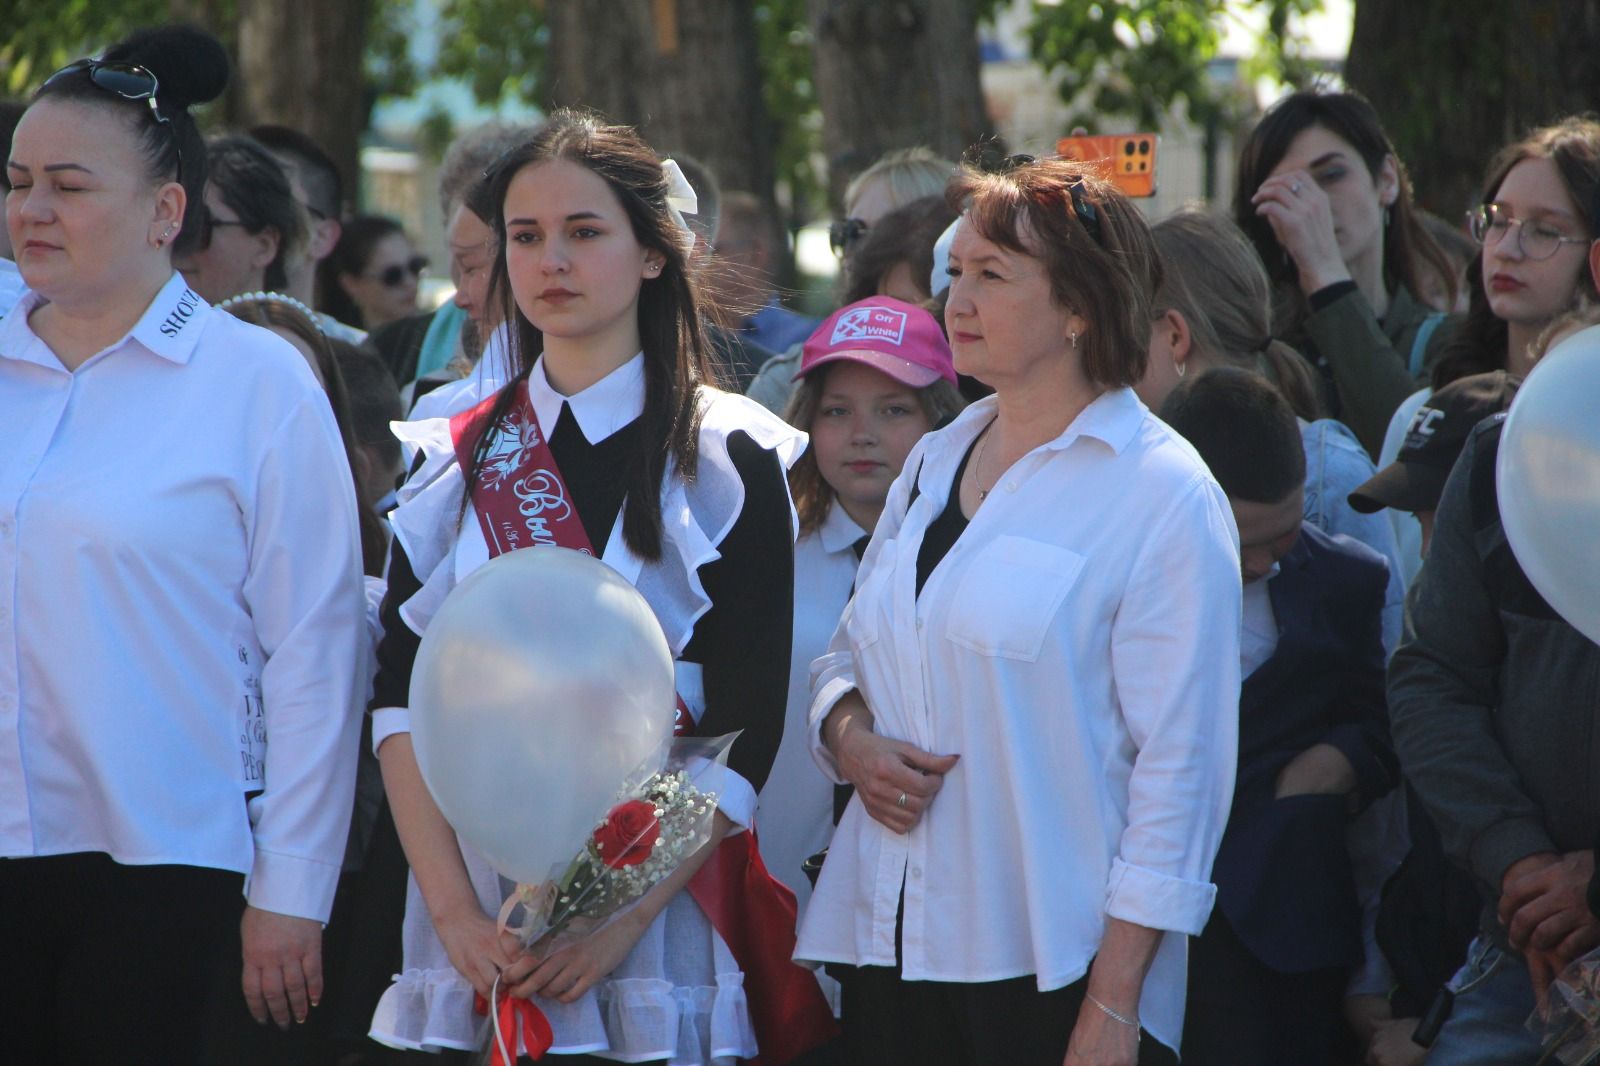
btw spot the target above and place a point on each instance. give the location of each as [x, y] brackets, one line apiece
[889, 335]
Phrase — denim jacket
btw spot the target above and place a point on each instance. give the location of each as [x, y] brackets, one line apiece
[1336, 464]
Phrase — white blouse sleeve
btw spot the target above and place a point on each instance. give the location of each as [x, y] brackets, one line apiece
[1175, 664]
[304, 593]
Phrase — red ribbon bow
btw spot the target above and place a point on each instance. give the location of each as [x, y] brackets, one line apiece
[521, 1022]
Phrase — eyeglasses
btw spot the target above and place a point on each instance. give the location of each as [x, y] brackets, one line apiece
[843, 232]
[129, 81]
[395, 276]
[210, 223]
[1535, 240]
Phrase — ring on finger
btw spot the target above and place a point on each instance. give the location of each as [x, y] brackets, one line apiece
[1295, 188]
[901, 801]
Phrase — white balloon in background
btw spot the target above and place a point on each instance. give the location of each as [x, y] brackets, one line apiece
[1548, 478]
[542, 682]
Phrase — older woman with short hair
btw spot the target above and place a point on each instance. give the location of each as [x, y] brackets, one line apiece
[1035, 688]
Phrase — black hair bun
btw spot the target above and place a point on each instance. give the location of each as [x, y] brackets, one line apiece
[191, 64]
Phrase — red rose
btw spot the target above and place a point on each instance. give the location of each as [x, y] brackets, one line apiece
[628, 835]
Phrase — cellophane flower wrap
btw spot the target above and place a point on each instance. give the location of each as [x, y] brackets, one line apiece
[659, 819]
[1570, 1032]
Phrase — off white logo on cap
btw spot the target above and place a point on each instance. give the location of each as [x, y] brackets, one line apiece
[870, 323]
[1422, 426]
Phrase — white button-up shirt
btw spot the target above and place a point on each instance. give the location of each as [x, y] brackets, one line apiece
[181, 608]
[1079, 649]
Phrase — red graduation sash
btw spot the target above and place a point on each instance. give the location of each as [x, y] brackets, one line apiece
[521, 500]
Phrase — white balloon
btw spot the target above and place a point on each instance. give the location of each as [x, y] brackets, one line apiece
[542, 682]
[1548, 478]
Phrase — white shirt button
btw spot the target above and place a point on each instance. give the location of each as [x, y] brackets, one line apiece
[916, 872]
[1011, 486]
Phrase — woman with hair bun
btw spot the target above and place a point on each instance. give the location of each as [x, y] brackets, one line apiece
[178, 531]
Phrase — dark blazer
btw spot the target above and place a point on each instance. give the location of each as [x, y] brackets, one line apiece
[1283, 873]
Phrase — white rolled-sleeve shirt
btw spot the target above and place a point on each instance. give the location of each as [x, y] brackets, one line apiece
[181, 606]
[1078, 647]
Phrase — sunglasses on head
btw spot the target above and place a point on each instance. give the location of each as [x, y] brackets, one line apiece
[1088, 216]
[129, 81]
[843, 232]
[395, 276]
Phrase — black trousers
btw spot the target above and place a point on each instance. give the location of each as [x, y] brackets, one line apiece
[1242, 1013]
[102, 962]
[890, 1021]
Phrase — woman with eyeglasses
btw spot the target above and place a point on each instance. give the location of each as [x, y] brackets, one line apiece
[252, 225]
[370, 278]
[1035, 687]
[181, 612]
[1326, 201]
[1534, 224]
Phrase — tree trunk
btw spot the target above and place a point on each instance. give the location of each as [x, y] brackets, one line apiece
[1454, 80]
[684, 72]
[300, 65]
[895, 74]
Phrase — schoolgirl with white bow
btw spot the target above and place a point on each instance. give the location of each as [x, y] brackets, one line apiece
[681, 489]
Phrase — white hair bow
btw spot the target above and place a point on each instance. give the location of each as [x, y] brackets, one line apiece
[681, 200]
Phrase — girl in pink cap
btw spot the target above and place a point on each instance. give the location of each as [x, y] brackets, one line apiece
[874, 378]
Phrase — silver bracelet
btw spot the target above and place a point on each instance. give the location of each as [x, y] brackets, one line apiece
[1113, 1015]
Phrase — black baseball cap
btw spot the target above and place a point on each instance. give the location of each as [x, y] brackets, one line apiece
[1438, 432]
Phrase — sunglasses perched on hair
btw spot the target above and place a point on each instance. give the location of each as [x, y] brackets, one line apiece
[395, 276]
[1088, 216]
[129, 81]
[843, 232]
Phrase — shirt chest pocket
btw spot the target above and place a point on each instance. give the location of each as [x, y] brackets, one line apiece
[1009, 594]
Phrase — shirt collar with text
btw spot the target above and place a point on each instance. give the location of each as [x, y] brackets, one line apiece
[169, 328]
[601, 409]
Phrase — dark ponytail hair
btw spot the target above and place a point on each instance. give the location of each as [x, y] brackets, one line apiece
[671, 330]
[1409, 254]
[1573, 144]
[191, 67]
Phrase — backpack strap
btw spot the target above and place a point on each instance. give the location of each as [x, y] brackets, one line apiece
[1419, 343]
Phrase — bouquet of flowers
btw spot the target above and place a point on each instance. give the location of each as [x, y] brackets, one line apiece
[652, 828]
[1569, 1032]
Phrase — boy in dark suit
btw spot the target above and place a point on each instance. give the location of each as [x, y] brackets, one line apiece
[1267, 977]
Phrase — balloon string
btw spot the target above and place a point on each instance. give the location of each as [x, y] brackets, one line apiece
[494, 1015]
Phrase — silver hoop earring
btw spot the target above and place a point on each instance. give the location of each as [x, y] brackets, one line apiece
[1181, 368]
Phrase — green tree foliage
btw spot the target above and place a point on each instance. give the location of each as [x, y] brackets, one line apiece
[41, 38]
[1136, 58]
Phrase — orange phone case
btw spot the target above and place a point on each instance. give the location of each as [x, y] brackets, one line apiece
[1129, 159]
